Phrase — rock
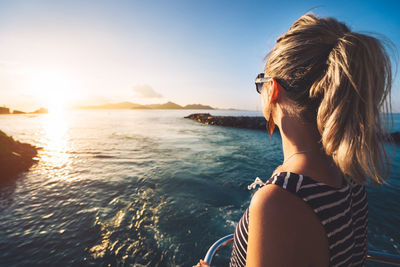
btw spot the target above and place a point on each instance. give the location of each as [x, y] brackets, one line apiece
[244, 122]
[4, 110]
[18, 112]
[15, 157]
[256, 123]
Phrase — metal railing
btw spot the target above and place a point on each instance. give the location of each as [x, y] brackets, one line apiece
[218, 244]
[372, 255]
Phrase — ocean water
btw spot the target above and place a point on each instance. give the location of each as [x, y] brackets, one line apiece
[145, 188]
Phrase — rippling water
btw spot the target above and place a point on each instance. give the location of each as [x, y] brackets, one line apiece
[144, 188]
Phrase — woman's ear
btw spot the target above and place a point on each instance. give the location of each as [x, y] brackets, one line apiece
[275, 88]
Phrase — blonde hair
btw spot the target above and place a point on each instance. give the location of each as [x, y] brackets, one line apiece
[341, 80]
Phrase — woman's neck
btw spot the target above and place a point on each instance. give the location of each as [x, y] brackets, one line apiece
[299, 136]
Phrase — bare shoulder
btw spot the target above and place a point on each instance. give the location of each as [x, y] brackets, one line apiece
[281, 224]
[273, 205]
[269, 195]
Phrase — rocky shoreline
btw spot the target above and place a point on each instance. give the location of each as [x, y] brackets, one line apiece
[255, 123]
[243, 122]
[15, 157]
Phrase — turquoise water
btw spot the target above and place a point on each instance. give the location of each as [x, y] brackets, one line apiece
[144, 188]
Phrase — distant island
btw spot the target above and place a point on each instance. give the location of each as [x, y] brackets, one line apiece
[129, 105]
[5, 111]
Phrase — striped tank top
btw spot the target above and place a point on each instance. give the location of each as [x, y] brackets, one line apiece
[343, 212]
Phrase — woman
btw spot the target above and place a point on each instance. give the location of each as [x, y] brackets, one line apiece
[324, 87]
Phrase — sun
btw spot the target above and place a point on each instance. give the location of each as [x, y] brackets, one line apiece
[52, 89]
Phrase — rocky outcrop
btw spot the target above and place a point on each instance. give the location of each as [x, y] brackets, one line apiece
[15, 157]
[256, 123]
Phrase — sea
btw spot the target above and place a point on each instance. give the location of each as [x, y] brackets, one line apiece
[146, 188]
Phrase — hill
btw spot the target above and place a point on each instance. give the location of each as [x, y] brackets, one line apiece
[168, 105]
[130, 105]
[197, 106]
[121, 105]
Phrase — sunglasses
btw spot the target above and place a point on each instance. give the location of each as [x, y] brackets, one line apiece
[260, 80]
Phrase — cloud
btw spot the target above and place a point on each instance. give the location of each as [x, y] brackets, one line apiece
[145, 91]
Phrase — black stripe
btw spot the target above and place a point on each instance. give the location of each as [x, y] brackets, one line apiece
[292, 183]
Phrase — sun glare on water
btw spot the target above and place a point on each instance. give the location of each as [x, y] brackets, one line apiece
[53, 89]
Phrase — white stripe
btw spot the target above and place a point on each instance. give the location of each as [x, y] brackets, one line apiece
[362, 209]
[320, 195]
[361, 226]
[286, 180]
[247, 222]
[235, 258]
[359, 245]
[241, 259]
[241, 233]
[237, 261]
[341, 241]
[344, 189]
[240, 243]
[239, 255]
[358, 192]
[342, 252]
[299, 183]
[359, 262]
[330, 219]
[275, 174]
[233, 255]
[310, 185]
[330, 205]
[359, 236]
[340, 228]
[358, 254]
[358, 202]
[274, 180]
[361, 218]
[341, 263]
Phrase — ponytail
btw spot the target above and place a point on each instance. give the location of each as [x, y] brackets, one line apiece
[340, 80]
[353, 90]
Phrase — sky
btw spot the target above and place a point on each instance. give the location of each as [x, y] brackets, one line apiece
[65, 53]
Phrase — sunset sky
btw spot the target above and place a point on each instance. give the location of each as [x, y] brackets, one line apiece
[65, 53]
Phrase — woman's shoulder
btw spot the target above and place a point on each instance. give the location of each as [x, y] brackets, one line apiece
[287, 221]
[277, 200]
[273, 194]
